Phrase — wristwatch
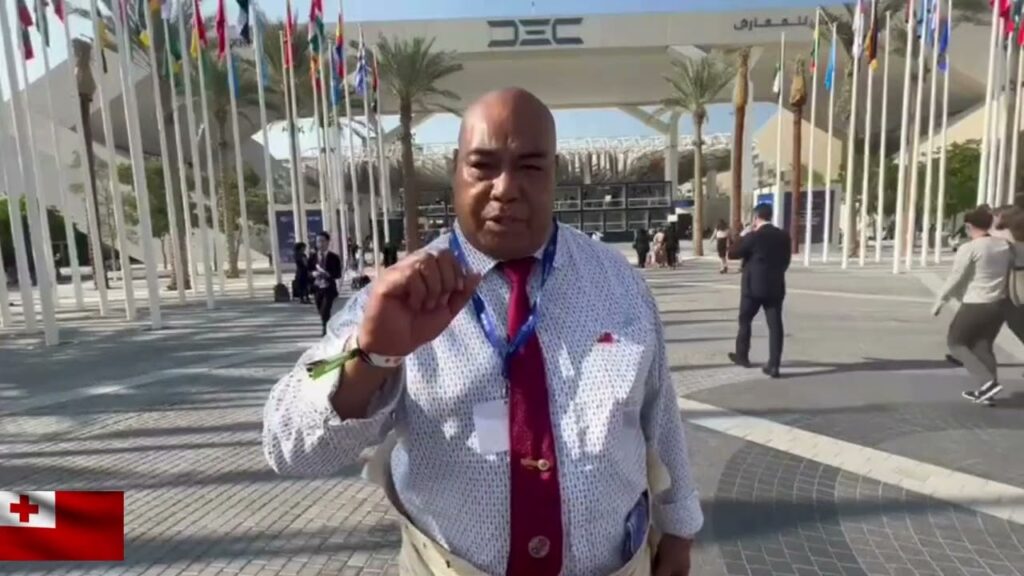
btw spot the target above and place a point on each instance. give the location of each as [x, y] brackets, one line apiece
[375, 360]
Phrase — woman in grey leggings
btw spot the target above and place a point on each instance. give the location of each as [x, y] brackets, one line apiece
[979, 279]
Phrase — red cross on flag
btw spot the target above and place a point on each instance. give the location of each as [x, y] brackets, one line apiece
[41, 526]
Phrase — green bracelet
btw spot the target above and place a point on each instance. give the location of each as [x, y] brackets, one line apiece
[320, 368]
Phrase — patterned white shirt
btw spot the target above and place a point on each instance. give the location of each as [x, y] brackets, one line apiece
[609, 402]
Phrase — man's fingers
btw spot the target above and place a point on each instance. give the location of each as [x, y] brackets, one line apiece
[450, 272]
[415, 289]
[459, 298]
[428, 270]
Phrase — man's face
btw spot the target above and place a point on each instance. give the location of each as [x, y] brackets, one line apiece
[322, 243]
[505, 176]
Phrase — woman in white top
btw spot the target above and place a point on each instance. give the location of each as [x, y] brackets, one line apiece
[722, 245]
[978, 280]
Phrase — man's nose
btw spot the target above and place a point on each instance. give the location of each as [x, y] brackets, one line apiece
[505, 186]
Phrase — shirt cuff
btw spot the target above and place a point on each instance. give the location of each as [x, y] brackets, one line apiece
[683, 519]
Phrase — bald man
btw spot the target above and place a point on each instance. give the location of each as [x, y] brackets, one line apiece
[516, 372]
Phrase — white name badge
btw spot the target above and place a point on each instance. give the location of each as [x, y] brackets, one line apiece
[491, 421]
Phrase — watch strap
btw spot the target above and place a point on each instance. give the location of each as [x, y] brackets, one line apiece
[375, 360]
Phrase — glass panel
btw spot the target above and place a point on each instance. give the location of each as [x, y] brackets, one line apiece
[637, 219]
[592, 222]
[569, 218]
[615, 221]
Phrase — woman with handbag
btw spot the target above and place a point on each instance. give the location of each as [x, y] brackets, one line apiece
[979, 281]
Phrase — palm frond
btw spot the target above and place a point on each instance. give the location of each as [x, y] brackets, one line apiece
[698, 82]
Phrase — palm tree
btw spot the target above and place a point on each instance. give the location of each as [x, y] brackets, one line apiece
[696, 83]
[739, 101]
[410, 70]
[86, 85]
[797, 99]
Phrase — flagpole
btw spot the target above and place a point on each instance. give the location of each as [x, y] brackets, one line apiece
[93, 224]
[63, 196]
[15, 192]
[1015, 131]
[777, 197]
[880, 206]
[219, 245]
[328, 182]
[810, 154]
[339, 169]
[916, 152]
[243, 210]
[353, 166]
[1002, 125]
[989, 87]
[995, 140]
[24, 143]
[5, 306]
[865, 175]
[851, 158]
[827, 230]
[44, 224]
[369, 158]
[172, 212]
[138, 172]
[325, 212]
[941, 217]
[901, 185]
[298, 168]
[197, 172]
[182, 176]
[926, 221]
[292, 173]
[268, 168]
[385, 186]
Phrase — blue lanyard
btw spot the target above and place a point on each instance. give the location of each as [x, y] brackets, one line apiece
[502, 347]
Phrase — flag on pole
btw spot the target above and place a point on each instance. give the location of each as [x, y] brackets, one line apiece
[375, 67]
[221, 26]
[361, 71]
[198, 30]
[101, 25]
[289, 31]
[140, 22]
[42, 23]
[165, 9]
[830, 71]
[872, 41]
[777, 82]
[316, 26]
[62, 525]
[944, 37]
[24, 23]
[814, 49]
[244, 31]
[339, 48]
[58, 9]
[858, 30]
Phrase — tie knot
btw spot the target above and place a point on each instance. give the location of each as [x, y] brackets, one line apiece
[518, 271]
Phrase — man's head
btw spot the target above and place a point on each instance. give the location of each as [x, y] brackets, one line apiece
[1007, 217]
[504, 178]
[323, 241]
[762, 215]
[978, 222]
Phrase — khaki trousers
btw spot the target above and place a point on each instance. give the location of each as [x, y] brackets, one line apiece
[421, 556]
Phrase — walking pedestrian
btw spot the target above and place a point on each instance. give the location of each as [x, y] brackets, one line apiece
[300, 284]
[326, 270]
[642, 245]
[765, 252]
[978, 280]
[501, 458]
[722, 245]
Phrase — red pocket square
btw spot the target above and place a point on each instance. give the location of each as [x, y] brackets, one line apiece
[606, 338]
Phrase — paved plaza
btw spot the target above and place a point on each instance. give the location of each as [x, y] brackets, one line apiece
[862, 460]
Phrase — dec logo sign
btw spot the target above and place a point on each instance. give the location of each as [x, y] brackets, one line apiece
[534, 32]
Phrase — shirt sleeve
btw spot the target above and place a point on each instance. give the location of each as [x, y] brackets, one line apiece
[676, 510]
[302, 434]
[961, 265]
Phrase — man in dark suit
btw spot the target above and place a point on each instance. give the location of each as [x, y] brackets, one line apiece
[765, 253]
[325, 267]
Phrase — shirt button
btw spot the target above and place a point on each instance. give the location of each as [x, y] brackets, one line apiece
[539, 547]
[543, 465]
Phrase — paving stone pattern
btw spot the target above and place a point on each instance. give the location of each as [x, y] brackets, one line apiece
[201, 501]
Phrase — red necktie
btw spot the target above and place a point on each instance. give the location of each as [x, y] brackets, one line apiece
[535, 545]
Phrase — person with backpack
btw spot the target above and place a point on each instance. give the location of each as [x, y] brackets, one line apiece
[979, 281]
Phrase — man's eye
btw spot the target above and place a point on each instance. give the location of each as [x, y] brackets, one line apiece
[532, 167]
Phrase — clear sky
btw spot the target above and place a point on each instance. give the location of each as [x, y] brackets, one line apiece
[443, 128]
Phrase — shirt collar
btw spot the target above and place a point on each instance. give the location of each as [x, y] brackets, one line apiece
[482, 263]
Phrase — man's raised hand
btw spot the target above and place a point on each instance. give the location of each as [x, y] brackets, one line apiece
[413, 302]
